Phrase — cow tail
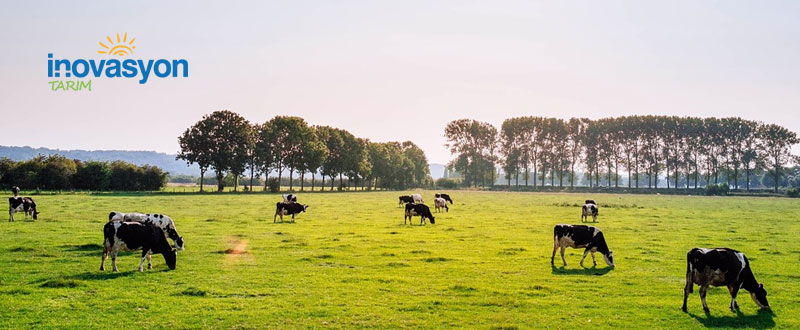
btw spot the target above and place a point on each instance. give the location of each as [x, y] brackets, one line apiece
[108, 234]
[689, 281]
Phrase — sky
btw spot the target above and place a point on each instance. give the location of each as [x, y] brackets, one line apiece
[395, 70]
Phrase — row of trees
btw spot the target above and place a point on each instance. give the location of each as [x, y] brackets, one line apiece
[56, 172]
[226, 143]
[684, 150]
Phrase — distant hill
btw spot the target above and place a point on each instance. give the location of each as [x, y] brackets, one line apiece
[165, 161]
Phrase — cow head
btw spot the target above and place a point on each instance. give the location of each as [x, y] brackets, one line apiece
[609, 258]
[171, 257]
[305, 207]
[15, 190]
[179, 243]
[35, 215]
[759, 295]
[432, 220]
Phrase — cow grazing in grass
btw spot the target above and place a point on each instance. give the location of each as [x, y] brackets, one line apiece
[417, 198]
[21, 204]
[405, 199]
[131, 236]
[162, 221]
[421, 210]
[589, 209]
[718, 267]
[446, 197]
[580, 236]
[440, 203]
[288, 208]
[290, 198]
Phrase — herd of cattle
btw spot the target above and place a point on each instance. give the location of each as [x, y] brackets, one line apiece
[150, 233]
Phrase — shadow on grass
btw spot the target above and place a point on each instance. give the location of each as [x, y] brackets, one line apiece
[91, 247]
[581, 271]
[102, 275]
[761, 320]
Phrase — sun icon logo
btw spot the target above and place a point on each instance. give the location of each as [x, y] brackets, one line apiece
[121, 47]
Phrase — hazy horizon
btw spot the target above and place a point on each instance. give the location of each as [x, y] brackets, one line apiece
[397, 71]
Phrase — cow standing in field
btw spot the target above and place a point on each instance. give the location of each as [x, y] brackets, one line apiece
[21, 204]
[162, 221]
[580, 236]
[718, 267]
[421, 210]
[290, 198]
[405, 199]
[589, 209]
[440, 203]
[288, 208]
[446, 197]
[130, 236]
[417, 198]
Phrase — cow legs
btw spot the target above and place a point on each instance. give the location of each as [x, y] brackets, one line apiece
[103, 260]
[144, 256]
[703, 291]
[149, 261]
[10, 215]
[114, 260]
[555, 247]
[563, 248]
[687, 289]
[594, 218]
[585, 252]
[733, 289]
[594, 260]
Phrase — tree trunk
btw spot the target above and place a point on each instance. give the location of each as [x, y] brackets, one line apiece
[322, 187]
[291, 176]
[220, 185]
[202, 175]
[340, 182]
[302, 180]
[251, 178]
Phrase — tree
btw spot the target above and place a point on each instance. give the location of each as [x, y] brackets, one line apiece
[289, 136]
[196, 144]
[776, 145]
[219, 141]
[332, 165]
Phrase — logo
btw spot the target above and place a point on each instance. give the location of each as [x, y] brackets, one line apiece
[120, 48]
[112, 68]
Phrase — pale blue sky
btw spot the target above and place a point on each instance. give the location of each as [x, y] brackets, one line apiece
[397, 70]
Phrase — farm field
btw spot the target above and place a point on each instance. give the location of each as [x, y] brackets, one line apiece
[350, 262]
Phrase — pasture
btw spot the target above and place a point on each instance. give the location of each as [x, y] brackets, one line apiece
[349, 262]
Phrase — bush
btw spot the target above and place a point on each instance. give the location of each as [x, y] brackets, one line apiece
[721, 189]
[273, 185]
[793, 192]
[446, 183]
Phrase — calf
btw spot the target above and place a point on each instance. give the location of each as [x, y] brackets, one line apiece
[162, 221]
[446, 197]
[405, 199]
[290, 198]
[718, 267]
[589, 209]
[288, 208]
[440, 203]
[421, 210]
[580, 236]
[130, 236]
[417, 198]
[22, 204]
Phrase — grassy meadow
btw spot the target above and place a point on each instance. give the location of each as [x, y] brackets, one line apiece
[350, 262]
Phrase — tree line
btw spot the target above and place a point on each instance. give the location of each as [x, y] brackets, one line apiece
[686, 151]
[56, 172]
[226, 143]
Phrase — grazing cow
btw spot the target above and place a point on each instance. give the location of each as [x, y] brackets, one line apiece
[406, 199]
[440, 203]
[130, 236]
[417, 198]
[15, 191]
[718, 267]
[446, 197]
[589, 209]
[288, 208]
[22, 204]
[290, 198]
[580, 236]
[421, 210]
[162, 221]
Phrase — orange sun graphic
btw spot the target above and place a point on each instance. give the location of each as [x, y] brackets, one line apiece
[121, 47]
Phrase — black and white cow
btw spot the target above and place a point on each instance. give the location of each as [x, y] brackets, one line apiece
[417, 198]
[288, 208]
[290, 198]
[22, 204]
[130, 236]
[446, 197]
[440, 203]
[580, 236]
[162, 221]
[405, 199]
[421, 210]
[718, 267]
[589, 209]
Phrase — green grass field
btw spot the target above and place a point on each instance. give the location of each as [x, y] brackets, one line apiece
[351, 263]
